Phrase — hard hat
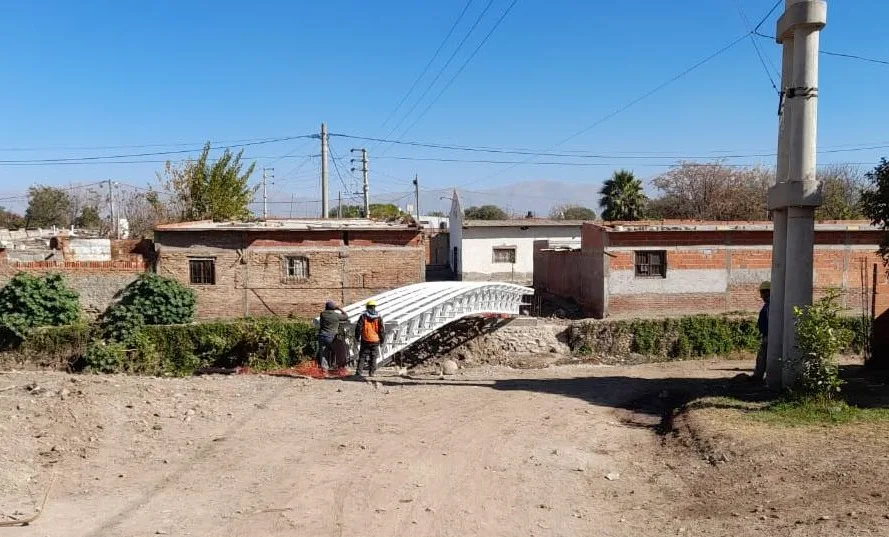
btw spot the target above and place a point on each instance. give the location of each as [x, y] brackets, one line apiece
[371, 303]
[765, 286]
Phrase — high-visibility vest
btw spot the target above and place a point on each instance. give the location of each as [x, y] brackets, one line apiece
[370, 331]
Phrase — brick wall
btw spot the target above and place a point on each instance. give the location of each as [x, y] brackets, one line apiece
[713, 279]
[96, 282]
[707, 271]
[251, 276]
[574, 274]
[437, 245]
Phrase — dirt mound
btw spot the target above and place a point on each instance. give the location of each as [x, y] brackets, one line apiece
[782, 480]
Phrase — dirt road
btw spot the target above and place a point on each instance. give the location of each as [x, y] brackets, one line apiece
[558, 452]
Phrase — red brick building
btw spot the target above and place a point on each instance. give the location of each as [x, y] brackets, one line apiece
[645, 268]
[284, 267]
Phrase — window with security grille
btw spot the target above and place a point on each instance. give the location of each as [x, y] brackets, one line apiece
[296, 268]
[504, 255]
[651, 264]
[202, 271]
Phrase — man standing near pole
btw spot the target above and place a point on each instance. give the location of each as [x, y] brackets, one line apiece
[762, 323]
[370, 334]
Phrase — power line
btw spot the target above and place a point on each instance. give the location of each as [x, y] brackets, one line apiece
[443, 68]
[581, 155]
[336, 167]
[645, 95]
[830, 53]
[428, 65]
[575, 164]
[65, 188]
[626, 106]
[149, 154]
[141, 161]
[766, 17]
[753, 42]
[460, 70]
[133, 146]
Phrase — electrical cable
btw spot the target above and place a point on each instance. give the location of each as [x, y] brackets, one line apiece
[428, 65]
[460, 70]
[150, 154]
[442, 70]
[831, 53]
[629, 156]
[756, 49]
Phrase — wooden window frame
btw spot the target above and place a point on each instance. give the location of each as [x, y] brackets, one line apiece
[650, 263]
[193, 263]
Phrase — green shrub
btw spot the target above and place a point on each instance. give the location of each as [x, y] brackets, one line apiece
[821, 334]
[150, 300]
[29, 301]
[666, 339]
[102, 357]
[261, 344]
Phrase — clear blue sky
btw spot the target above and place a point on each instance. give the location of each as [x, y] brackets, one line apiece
[112, 73]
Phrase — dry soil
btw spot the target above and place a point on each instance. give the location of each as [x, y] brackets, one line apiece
[562, 451]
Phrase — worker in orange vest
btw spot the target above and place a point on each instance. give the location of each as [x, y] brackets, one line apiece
[370, 334]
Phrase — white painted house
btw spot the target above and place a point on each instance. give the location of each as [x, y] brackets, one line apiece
[502, 250]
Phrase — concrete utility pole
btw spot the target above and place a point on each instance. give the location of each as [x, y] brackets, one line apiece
[417, 195]
[796, 193]
[339, 204]
[267, 173]
[324, 203]
[115, 225]
[365, 188]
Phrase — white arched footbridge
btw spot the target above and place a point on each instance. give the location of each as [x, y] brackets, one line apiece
[415, 311]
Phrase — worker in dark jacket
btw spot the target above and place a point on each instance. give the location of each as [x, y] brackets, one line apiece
[329, 326]
[762, 323]
[370, 334]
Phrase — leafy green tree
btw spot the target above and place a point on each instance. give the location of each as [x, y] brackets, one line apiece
[572, 212]
[622, 197]
[48, 206]
[875, 202]
[347, 211]
[201, 190]
[89, 218]
[380, 211]
[384, 211]
[11, 220]
[485, 212]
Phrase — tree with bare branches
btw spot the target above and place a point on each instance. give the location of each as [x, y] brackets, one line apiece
[712, 191]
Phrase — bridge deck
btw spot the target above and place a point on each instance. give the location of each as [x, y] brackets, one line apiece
[416, 311]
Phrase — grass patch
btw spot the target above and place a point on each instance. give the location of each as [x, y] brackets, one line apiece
[793, 413]
[817, 412]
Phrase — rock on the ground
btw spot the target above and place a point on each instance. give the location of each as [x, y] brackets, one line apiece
[449, 367]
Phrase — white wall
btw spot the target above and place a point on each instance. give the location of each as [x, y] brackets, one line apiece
[455, 229]
[477, 249]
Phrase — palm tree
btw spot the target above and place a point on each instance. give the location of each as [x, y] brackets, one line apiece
[622, 197]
